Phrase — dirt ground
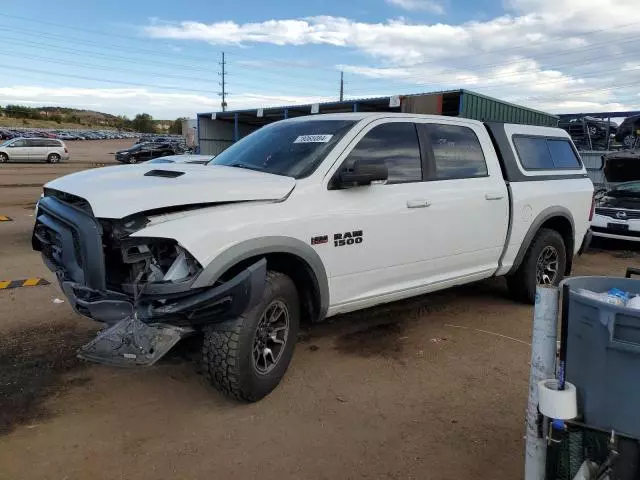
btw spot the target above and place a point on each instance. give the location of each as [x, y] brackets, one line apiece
[430, 388]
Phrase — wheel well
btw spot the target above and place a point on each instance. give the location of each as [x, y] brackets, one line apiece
[563, 226]
[295, 268]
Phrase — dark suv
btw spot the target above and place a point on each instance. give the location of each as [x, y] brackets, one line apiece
[589, 133]
[628, 131]
[141, 152]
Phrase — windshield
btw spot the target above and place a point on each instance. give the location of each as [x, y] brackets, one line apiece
[292, 149]
[631, 189]
[6, 142]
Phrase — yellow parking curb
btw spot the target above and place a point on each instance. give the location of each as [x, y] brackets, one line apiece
[4, 218]
[29, 282]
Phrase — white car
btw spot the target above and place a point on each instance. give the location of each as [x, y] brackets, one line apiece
[185, 158]
[49, 150]
[305, 219]
[617, 213]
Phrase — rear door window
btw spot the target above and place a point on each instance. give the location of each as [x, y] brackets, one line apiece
[541, 153]
[457, 152]
[35, 142]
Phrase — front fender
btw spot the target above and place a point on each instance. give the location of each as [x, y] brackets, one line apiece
[263, 246]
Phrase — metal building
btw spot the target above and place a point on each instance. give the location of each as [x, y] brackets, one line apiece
[218, 130]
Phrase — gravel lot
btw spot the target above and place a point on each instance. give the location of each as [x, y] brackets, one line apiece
[417, 389]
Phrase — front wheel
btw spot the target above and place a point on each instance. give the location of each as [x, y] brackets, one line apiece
[543, 264]
[4, 158]
[133, 160]
[247, 357]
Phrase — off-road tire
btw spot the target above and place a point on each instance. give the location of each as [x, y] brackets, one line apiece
[522, 283]
[4, 158]
[227, 350]
[53, 158]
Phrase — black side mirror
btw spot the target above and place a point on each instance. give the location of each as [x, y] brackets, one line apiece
[361, 172]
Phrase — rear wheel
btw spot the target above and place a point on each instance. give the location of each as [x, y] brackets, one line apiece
[4, 158]
[53, 158]
[543, 264]
[247, 357]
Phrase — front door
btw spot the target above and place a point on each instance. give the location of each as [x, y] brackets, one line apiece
[19, 150]
[374, 243]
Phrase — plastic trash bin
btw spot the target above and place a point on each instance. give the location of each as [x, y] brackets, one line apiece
[603, 355]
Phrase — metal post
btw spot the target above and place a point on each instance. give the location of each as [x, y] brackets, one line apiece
[286, 113]
[236, 134]
[355, 107]
[608, 132]
[341, 86]
[543, 356]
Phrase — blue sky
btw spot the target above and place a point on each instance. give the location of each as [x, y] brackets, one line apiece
[162, 57]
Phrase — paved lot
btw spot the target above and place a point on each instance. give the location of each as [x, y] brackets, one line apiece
[417, 389]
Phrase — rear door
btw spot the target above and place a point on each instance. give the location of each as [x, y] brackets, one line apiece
[464, 229]
[37, 149]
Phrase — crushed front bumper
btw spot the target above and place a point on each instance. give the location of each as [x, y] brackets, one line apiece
[192, 308]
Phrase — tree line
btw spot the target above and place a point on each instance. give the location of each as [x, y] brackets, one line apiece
[142, 122]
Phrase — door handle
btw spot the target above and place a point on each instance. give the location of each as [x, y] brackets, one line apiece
[494, 196]
[418, 203]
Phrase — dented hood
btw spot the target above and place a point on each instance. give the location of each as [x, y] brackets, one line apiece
[117, 192]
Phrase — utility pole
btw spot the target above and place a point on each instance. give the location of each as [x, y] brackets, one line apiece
[223, 84]
[341, 86]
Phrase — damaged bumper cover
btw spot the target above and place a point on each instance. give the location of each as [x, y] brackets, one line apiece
[193, 307]
[144, 331]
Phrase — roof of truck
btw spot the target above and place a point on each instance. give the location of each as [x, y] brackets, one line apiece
[357, 116]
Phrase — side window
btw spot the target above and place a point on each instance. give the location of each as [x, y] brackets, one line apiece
[457, 152]
[562, 154]
[397, 145]
[35, 142]
[540, 153]
[534, 153]
[19, 143]
[52, 143]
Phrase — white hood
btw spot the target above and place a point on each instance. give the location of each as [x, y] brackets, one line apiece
[116, 192]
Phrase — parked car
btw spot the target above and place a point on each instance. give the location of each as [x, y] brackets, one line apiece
[629, 131]
[617, 213]
[305, 219]
[33, 150]
[185, 158]
[622, 166]
[142, 152]
[589, 133]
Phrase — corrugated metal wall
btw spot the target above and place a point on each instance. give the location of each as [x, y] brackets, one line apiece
[593, 163]
[479, 107]
[215, 136]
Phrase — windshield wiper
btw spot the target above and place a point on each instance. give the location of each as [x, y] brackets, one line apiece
[246, 166]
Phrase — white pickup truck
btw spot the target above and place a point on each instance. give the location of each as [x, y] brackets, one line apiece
[304, 219]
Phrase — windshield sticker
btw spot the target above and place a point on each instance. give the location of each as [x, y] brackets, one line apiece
[313, 139]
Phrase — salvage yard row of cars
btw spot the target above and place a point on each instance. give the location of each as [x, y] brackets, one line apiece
[63, 134]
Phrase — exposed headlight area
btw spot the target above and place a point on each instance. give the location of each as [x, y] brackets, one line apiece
[137, 265]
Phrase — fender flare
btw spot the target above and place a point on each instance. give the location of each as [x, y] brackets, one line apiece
[542, 217]
[263, 246]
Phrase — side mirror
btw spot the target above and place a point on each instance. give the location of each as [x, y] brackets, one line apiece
[361, 172]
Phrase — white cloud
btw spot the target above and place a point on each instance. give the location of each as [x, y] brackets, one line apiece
[130, 101]
[549, 54]
[419, 5]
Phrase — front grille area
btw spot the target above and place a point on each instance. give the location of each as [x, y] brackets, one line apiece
[69, 199]
[70, 239]
[613, 212]
[623, 233]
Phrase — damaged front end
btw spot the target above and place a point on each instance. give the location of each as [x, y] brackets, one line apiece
[143, 287]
